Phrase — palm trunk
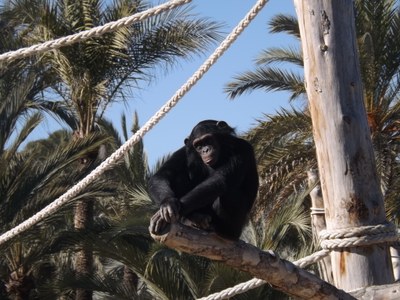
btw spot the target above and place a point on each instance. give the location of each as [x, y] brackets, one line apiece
[83, 220]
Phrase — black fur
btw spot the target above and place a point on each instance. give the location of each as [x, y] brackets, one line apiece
[220, 195]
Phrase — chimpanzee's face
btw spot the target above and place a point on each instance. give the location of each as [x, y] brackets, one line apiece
[208, 148]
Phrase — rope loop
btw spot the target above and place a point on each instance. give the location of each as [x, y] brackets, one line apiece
[358, 236]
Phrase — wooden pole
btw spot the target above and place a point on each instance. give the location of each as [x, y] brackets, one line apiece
[349, 181]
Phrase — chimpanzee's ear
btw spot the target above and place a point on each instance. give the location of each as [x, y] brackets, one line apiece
[222, 124]
[186, 141]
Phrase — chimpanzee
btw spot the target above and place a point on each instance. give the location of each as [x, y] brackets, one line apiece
[211, 182]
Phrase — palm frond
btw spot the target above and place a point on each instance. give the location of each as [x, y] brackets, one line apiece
[164, 269]
[31, 123]
[289, 214]
[267, 79]
[284, 150]
[284, 23]
[171, 35]
[280, 55]
[33, 181]
[58, 110]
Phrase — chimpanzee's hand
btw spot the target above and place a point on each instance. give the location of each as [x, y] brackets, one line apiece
[169, 210]
[157, 223]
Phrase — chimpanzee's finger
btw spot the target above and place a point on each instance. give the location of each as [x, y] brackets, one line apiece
[160, 225]
[165, 213]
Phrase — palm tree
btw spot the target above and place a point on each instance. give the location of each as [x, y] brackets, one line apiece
[86, 81]
[287, 152]
[13, 109]
[29, 180]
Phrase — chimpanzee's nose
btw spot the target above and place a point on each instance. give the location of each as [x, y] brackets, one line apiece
[206, 149]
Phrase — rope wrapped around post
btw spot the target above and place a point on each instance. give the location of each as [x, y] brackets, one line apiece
[358, 236]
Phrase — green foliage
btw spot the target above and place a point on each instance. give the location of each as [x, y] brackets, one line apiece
[76, 84]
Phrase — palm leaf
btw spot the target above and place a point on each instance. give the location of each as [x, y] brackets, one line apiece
[280, 55]
[286, 24]
[267, 79]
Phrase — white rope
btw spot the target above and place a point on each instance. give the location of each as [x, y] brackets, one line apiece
[358, 236]
[93, 32]
[255, 282]
[237, 289]
[119, 153]
[311, 259]
[317, 211]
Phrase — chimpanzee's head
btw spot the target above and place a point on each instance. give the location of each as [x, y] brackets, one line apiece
[205, 139]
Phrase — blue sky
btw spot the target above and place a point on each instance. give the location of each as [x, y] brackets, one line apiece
[206, 100]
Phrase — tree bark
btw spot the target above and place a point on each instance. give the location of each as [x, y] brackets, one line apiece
[318, 223]
[83, 219]
[282, 274]
[84, 216]
[349, 181]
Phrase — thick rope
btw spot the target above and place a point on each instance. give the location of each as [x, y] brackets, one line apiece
[93, 32]
[358, 236]
[236, 290]
[119, 153]
[255, 282]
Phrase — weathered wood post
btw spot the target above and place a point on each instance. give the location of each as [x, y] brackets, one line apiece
[349, 181]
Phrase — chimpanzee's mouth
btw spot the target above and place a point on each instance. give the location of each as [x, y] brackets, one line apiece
[209, 161]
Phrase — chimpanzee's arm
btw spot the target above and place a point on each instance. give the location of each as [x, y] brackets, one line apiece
[228, 176]
[162, 183]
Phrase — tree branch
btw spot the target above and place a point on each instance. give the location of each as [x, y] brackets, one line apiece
[282, 274]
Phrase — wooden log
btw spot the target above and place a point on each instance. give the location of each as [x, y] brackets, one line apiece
[349, 182]
[266, 265]
[378, 292]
